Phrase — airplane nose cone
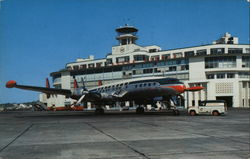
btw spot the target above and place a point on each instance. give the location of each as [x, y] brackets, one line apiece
[10, 84]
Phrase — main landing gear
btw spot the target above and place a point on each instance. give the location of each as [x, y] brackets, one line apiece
[176, 112]
[99, 110]
[139, 110]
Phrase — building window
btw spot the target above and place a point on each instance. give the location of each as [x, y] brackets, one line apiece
[220, 62]
[146, 65]
[141, 58]
[172, 68]
[247, 51]
[76, 67]
[134, 72]
[155, 58]
[69, 67]
[91, 65]
[98, 64]
[109, 61]
[220, 75]
[245, 61]
[235, 50]
[165, 57]
[123, 41]
[201, 52]
[189, 53]
[83, 66]
[210, 76]
[152, 50]
[122, 59]
[183, 67]
[177, 55]
[244, 74]
[230, 75]
[148, 71]
[216, 51]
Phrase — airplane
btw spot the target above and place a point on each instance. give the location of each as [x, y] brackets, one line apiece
[142, 91]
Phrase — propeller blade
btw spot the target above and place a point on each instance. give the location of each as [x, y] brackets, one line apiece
[79, 101]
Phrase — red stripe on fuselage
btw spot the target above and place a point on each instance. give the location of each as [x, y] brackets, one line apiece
[178, 88]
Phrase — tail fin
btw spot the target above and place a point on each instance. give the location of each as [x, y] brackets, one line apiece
[47, 83]
[75, 84]
[47, 86]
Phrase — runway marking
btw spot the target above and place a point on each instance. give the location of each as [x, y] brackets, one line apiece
[121, 142]
[19, 135]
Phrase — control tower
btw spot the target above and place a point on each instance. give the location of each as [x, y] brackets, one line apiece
[126, 35]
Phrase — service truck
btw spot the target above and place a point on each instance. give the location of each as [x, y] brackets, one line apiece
[211, 107]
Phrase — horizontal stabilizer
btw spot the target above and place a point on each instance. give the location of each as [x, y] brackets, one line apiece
[66, 92]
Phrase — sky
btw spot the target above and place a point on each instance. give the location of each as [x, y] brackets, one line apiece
[38, 37]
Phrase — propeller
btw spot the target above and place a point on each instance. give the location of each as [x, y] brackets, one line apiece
[80, 100]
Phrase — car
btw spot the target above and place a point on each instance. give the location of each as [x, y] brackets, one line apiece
[211, 107]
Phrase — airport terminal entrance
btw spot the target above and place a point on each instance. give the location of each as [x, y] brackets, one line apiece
[227, 99]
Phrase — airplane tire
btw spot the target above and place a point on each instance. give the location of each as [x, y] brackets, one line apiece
[99, 111]
[176, 112]
[140, 110]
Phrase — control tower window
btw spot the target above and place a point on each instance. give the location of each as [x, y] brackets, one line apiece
[76, 67]
[123, 41]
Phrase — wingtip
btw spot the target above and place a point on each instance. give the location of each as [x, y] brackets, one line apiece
[10, 84]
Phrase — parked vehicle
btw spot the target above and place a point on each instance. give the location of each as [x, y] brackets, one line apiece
[213, 107]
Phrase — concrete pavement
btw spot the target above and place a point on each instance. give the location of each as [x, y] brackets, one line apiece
[67, 135]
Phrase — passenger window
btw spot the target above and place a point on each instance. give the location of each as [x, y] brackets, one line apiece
[145, 84]
[140, 85]
[149, 84]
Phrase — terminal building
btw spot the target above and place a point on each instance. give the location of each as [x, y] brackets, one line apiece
[222, 68]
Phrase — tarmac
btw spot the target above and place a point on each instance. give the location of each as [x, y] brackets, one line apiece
[122, 135]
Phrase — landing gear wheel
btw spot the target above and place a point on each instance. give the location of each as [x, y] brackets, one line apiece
[140, 110]
[176, 112]
[99, 111]
[192, 113]
[215, 113]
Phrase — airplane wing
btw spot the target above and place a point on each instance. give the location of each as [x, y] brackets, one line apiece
[146, 93]
[66, 92]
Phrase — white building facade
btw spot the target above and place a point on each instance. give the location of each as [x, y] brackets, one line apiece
[222, 67]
